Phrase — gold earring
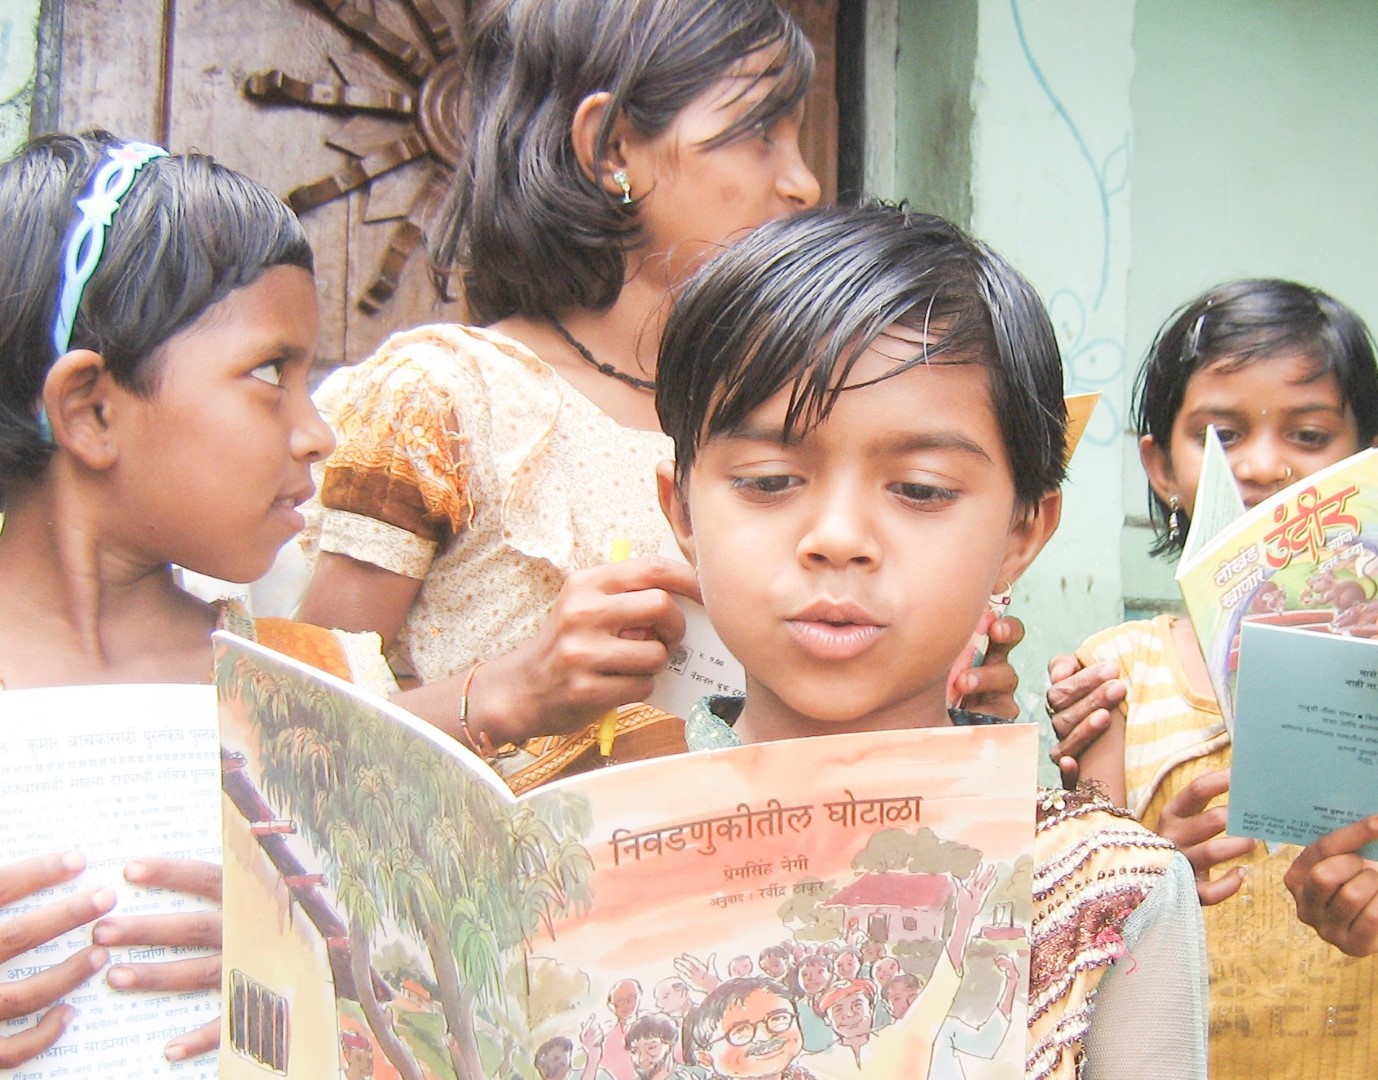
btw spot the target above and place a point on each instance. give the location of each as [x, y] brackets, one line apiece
[620, 179]
[1174, 520]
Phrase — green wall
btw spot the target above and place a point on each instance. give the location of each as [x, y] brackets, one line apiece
[1125, 155]
[934, 157]
[18, 52]
[1255, 154]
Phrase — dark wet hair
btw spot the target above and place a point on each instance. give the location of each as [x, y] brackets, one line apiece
[700, 1025]
[1233, 325]
[188, 233]
[528, 230]
[795, 304]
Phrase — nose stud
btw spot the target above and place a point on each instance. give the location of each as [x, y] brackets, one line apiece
[1287, 475]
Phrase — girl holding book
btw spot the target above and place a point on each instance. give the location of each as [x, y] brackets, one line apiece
[484, 472]
[157, 326]
[1287, 376]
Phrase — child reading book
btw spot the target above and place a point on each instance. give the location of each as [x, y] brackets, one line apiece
[867, 413]
[157, 325]
[646, 135]
[1287, 376]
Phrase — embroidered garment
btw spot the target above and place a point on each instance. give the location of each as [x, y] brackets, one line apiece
[1283, 1002]
[464, 461]
[1117, 974]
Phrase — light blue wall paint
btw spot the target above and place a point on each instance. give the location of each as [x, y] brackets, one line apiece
[1125, 156]
[1047, 157]
[1255, 154]
[18, 52]
[933, 135]
[1050, 191]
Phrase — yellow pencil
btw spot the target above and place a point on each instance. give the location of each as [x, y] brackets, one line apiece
[620, 551]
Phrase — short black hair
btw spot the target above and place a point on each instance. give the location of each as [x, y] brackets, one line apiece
[529, 231]
[188, 233]
[795, 304]
[1232, 325]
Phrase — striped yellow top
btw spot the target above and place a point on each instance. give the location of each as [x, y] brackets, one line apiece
[1283, 1003]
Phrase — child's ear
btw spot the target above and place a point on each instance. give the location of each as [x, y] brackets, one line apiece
[1032, 528]
[77, 395]
[1155, 461]
[588, 121]
[675, 507]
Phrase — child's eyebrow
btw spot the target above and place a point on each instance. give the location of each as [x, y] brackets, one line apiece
[932, 440]
[906, 443]
[1209, 409]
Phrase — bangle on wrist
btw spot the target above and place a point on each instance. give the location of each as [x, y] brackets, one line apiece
[480, 743]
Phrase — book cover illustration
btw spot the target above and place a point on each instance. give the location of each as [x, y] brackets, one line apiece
[115, 772]
[1306, 557]
[852, 906]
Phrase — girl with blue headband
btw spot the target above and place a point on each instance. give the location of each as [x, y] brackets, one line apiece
[157, 326]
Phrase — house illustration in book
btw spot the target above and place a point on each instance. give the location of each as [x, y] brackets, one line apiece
[281, 1014]
[895, 907]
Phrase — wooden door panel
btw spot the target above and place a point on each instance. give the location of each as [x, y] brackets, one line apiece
[111, 67]
[818, 139]
[187, 83]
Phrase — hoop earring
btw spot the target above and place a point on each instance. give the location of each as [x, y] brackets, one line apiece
[620, 179]
[1174, 520]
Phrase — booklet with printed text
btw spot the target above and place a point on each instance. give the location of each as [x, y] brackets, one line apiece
[1305, 560]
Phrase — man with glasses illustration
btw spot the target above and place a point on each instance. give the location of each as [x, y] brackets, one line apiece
[746, 1028]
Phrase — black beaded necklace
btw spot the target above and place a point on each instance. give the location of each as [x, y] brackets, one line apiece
[606, 369]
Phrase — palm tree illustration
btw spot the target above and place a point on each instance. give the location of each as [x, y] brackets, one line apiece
[409, 839]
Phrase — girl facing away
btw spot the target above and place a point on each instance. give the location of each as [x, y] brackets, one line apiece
[869, 429]
[157, 324]
[484, 472]
[1287, 376]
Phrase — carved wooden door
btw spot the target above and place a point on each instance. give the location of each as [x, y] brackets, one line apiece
[336, 105]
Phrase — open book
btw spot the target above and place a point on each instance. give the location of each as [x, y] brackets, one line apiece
[391, 906]
[114, 772]
[1283, 599]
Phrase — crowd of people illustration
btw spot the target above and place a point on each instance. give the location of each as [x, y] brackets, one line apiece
[848, 420]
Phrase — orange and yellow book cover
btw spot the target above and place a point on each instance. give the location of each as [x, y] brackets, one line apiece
[856, 905]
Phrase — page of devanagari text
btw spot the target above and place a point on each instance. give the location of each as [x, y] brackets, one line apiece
[115, 772]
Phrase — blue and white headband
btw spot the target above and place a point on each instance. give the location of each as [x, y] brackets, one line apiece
[87, 242]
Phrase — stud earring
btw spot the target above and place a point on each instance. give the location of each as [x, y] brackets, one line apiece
[1174, 520]
[620, 179]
